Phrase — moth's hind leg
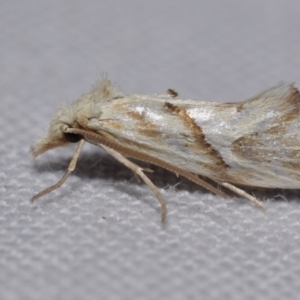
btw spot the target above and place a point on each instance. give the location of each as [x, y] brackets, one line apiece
[139, 172]
[229, 186]
[243, 194]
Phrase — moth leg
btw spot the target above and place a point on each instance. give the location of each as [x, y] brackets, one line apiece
[204, 184]
[138, 171]
[243, 194]
[70, 169]
[145, 170]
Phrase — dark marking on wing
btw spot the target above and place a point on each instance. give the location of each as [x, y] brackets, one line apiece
[172, 93]
[198, 134]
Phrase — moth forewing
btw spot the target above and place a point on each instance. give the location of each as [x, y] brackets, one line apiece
[254, 143]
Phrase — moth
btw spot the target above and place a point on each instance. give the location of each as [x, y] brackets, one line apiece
[254, 143]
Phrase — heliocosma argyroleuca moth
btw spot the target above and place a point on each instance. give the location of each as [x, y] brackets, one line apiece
[253, 143]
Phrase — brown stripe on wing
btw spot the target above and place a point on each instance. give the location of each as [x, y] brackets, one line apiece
[199, 136]
[172, 93]
[145, 127]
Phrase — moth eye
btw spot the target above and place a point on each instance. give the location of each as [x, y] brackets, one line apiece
[72, 137]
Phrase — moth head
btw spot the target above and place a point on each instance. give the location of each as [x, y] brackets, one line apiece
[76, 115]
[56, 136]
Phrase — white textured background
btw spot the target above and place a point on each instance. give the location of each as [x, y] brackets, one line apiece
[100, 236]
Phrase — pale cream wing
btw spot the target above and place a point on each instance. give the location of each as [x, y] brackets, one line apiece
[260, 142]
[255, 142]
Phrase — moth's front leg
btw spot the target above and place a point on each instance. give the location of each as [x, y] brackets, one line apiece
[70, 169]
